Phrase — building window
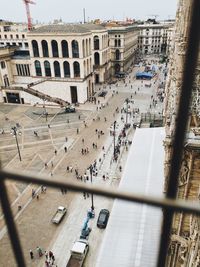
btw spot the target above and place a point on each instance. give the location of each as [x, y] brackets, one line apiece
[117, 54]
[119, 43]
[65, 52]
[23, 36]
[54, 46]
[6, 80]
[23, 69]
[17, 36]
[56, 68]
[115, 42]
[35, 48]
[76, 66]
[96, 42]
[38, 69]
[96, 58]
[5, 36]
[26, 45]
[3, 65]
[75, 49]
[117, 68]
[47, 69]
[11, 36]
[45, 49]
[83, 48]
[66, 68]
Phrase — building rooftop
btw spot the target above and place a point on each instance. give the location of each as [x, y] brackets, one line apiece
[91, 26]
[68, 28]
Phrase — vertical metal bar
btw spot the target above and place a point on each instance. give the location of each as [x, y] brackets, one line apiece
[182, 118]
[12, 230]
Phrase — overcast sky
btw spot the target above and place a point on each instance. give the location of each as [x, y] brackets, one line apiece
[72, 10]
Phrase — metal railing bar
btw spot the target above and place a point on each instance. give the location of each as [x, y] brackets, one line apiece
[181, 124]
[12, 230]
[169, 204]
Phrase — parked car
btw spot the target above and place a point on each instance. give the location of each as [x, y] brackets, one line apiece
[58, 216]
[103, 218]
[70, 109]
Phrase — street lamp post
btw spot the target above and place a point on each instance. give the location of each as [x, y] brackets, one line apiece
[114, 127]
[127, 101]
[91, 170]
[15, 134]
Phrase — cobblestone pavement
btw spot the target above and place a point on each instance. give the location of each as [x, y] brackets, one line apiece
[33, 221]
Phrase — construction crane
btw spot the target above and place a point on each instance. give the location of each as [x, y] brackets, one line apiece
[27, 2]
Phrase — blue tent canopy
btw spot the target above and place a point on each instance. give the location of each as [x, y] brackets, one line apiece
[144, 75]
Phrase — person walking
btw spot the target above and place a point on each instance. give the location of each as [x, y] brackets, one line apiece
[65, 148]
[46, 263]
[31, 254]
[39, 251]
[77, 131]
[50, 254]
[46, 254]
[55, 152]
[33, 193]
[53, 259]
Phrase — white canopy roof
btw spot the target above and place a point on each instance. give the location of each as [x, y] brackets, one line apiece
[133, 230]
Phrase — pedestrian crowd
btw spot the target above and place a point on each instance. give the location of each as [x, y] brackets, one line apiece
[49, 256]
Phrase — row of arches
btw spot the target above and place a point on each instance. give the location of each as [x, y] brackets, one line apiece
[57, 70]
[54, 49]
[54, 46]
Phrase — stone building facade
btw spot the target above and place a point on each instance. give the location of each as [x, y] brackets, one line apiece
[185, 233]
[155, 38]
[13, 34]
[123, 47]
[64, 60]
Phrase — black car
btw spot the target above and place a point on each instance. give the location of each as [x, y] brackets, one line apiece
[102, 94]
[103, 218]
[70, 109]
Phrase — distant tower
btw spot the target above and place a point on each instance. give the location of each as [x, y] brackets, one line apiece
[84, 21]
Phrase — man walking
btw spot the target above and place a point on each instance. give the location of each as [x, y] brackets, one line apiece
[31, 254]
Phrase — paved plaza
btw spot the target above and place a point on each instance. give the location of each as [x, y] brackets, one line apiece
[56, 133]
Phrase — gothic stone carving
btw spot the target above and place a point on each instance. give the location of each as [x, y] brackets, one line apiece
[183, 173]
